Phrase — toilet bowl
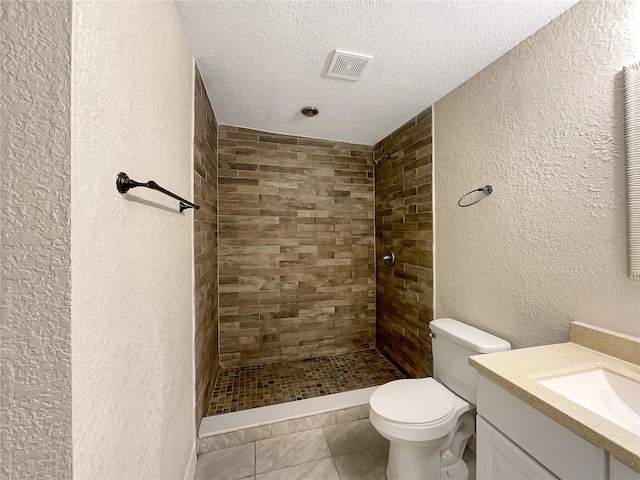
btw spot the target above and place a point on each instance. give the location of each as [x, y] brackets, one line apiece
[427, 426]
[428, 421]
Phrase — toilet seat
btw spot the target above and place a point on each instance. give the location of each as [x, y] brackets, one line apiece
[413, 402]
[415, 410]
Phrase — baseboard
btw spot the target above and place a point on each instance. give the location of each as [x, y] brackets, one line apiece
[191, 467]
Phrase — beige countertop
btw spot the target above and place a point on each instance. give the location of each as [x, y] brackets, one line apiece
[518, 372]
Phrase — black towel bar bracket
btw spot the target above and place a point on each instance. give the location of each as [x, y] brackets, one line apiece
[124, 184]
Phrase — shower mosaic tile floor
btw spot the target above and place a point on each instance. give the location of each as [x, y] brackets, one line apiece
[241, 388]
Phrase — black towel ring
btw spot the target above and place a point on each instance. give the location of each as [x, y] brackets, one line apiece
[487, 189]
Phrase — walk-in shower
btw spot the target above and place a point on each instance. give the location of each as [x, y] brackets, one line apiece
[296, 270]
[294, 306]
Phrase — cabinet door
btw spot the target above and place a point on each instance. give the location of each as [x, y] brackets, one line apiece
[619, 471]
[498, 458]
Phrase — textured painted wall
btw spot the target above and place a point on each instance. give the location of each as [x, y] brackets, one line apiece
[296, 247]
[35, 277]
[544, 126]
[404, 223]
[132, 255]
[205, 176]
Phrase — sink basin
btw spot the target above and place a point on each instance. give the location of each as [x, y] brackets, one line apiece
[609, 395]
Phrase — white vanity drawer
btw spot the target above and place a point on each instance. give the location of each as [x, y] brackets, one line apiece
[498, 458]
[565, 454]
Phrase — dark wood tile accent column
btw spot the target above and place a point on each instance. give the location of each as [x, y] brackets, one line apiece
[404, 223]
[205, 247]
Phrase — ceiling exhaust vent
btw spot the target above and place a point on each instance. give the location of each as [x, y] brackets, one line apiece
[347, 65]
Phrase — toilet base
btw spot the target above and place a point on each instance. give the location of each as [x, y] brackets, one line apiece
[413, 461]
[457, 471]
[408, 461]
[436, 459]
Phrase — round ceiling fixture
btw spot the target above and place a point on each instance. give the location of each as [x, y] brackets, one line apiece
[310, 111]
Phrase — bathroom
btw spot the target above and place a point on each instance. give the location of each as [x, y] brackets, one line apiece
[120, 312]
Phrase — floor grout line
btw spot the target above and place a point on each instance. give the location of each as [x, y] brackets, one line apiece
[336, 467]
[299, 464]
[255, 459]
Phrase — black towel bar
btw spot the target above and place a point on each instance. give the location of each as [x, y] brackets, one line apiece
[124, 184]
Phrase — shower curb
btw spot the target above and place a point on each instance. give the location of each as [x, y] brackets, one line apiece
[237, 428]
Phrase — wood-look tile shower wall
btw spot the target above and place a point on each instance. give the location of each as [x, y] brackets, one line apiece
[296, 220]
[404, 223]
[205, 188]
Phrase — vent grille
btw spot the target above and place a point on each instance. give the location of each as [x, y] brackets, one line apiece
[348, 66]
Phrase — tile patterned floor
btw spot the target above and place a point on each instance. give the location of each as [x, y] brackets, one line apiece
[240, 388]
[346, 451]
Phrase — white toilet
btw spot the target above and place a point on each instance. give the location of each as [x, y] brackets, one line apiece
[429, 420]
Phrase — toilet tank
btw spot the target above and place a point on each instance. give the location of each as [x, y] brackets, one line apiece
[452, 344]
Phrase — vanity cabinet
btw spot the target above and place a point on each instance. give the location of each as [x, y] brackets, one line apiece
[619, 471]
[516, 441]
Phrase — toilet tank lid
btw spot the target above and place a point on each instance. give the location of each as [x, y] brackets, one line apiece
[468, 336]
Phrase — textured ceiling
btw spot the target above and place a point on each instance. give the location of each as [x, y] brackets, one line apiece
[262, 61]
